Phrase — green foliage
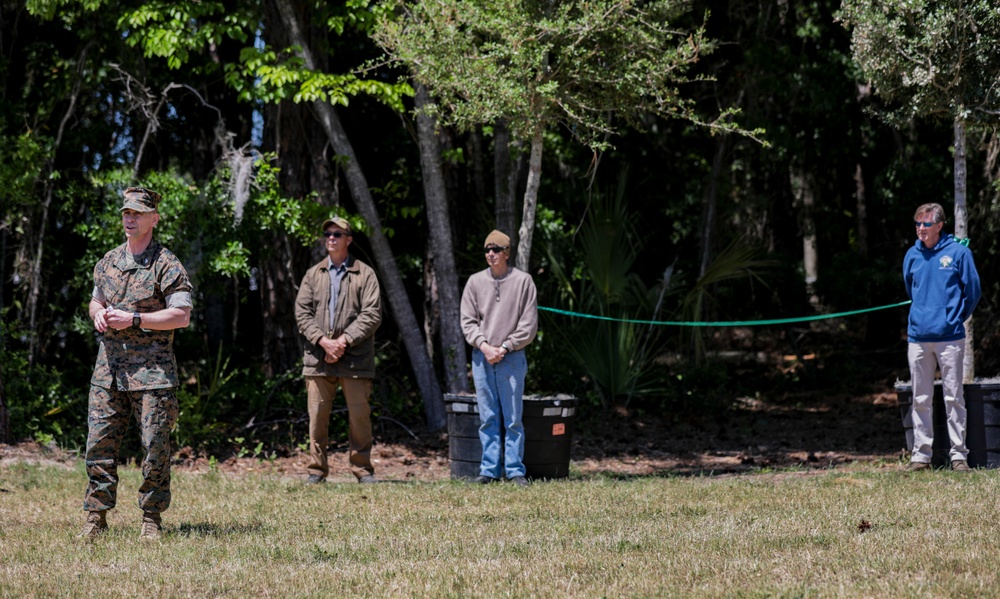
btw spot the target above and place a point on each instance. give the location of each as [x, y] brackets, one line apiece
[615, 354]
[64, 9]
[172, 30]
[268, 76]
[42, 406]
[221, 403]
[533, 64]
[21, 161]
[199, 224]
[175, 31]
[929, 58]
[737, 261]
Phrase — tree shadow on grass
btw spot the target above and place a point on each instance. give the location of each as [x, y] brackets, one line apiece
[792, 434]
[205, 529]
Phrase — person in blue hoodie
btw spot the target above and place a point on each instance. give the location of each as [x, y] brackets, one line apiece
[942, 282]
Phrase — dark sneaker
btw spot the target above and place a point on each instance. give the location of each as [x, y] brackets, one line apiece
[368, 479]
[151, 529]
[915, 466]
[315, 479]
[960, 465]
[484, 480]
[520, 481]
[96, 525]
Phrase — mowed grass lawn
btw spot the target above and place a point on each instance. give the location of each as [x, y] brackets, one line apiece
[791, 534]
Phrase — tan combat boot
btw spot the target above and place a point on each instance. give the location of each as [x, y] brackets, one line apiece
[96, 525]
[151, 528]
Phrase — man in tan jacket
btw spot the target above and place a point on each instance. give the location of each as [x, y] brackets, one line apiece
[338, 309]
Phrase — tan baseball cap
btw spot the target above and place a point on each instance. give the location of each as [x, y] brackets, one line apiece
[340, 222]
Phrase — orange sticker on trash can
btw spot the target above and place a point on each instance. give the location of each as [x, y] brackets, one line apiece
[558, 429]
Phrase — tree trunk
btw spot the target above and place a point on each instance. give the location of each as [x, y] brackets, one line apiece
[476, 159]
[4, 415]
[530, 202]
[442, 249]
[35, 283]
[961, 230]
[392, 282]
[861, 211]
[803, 193]
[711, 205]
[505, 181]
[278, 288]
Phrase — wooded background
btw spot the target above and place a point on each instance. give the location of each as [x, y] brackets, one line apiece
[682, 161]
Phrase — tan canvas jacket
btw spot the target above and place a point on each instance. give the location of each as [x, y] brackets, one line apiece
[358, 314]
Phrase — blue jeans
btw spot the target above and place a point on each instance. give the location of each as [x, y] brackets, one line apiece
[499, 393]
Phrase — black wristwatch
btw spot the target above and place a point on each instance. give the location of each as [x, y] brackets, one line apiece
[136, 320]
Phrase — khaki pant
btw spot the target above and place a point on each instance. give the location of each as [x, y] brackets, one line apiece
[321, 391]
[923, 358]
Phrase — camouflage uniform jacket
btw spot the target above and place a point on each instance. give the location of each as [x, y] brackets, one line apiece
[137, 359]
[358, 315]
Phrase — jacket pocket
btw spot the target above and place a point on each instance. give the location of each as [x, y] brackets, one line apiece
[312, 358]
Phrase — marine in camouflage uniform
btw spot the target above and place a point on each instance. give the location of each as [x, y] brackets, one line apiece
[141, 294]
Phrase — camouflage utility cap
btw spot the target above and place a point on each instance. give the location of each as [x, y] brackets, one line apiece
[340, 222]
[140, 199]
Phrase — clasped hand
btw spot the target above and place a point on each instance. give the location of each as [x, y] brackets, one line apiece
[492, 353]
[110, 318]
[334, 348]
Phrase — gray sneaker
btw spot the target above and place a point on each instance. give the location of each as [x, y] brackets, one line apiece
[368, 479]
[96, 525]
[151, 529]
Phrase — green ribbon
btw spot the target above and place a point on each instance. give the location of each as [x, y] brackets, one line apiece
[723, 323]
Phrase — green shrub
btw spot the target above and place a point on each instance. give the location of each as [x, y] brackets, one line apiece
[43, 407]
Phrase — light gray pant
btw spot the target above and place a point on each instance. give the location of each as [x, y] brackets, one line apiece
[924, 359]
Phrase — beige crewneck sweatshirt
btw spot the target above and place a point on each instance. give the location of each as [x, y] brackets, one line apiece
[513, 318]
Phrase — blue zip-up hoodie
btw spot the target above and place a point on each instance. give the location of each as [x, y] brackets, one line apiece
[943, 283]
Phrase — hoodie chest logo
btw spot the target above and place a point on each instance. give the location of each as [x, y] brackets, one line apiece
[945, 262]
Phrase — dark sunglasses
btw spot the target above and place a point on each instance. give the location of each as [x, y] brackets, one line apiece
[495, 249]
[926, 225]
[336, 234]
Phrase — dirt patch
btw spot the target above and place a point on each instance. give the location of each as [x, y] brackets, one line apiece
[801, 433]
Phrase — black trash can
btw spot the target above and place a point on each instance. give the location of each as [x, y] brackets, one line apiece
[464, 449]
[982, 402]
[548, 434]
[982, 432]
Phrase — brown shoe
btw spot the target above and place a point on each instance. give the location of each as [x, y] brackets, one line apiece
[96, 525]
[915, 466]
[960, 466]
[151, 528]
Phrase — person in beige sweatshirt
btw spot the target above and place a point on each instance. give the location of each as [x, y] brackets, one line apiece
[499, 319]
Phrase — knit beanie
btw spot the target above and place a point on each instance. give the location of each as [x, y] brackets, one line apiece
[497, 238]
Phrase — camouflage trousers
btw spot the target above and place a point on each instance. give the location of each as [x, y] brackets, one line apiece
[109, 410]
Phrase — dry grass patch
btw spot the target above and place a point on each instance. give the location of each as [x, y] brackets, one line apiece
[929, 534]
